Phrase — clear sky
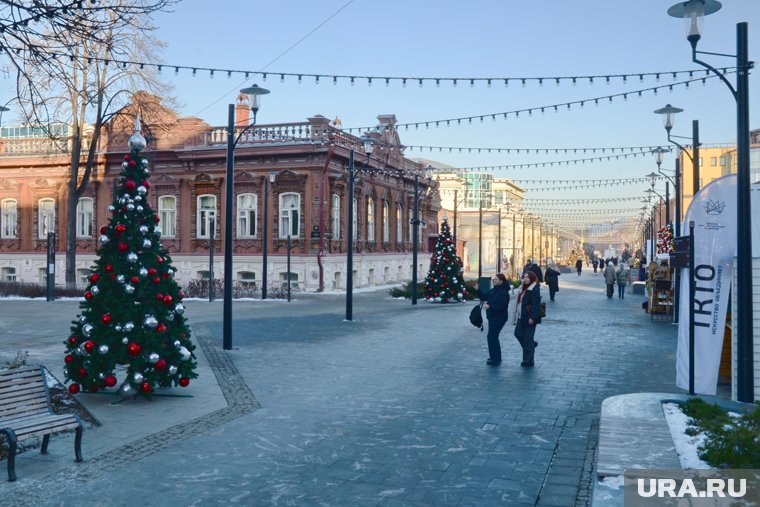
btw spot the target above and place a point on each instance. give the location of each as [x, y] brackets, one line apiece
[478, 38]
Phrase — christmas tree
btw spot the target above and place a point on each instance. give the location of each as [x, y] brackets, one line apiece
[132, 314]
[444, 281]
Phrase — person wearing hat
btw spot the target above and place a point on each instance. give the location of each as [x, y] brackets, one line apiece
[609, 279]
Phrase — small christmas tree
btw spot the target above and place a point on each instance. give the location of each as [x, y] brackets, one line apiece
[444, 281]
[132, 313]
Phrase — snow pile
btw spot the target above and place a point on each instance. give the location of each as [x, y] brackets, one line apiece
[686, 445]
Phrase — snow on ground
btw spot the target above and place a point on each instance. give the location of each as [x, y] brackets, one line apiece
[686, 445]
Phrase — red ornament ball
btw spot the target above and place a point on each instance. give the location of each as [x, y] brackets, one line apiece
[156, 280]
[74, 388]
[103, 229]
[109, 268]
[158, 218]
[132, 163]
[160, 328]
[160, 296]
[135, 280]
[73, 340]
[89, 345]
[152, 272]
[88, 295]
[133, 349]
[159, 259]
[110, 381]
[130, 185]
[82, 372]
[113, 276]
[184, 382]
[160, 364]
[94, 277]
[167, 275]
[123, 247]
[126, 158]
[145, 183]
[168, 300]
[106, 318]
[145, 387]
[120, 228]
[68, 358]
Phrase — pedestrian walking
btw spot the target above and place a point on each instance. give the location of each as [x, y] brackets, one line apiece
[497, 312]
[609, 278]
[622, 279]
[595, 263]
[536, 270]
[528, 316]
[552, 279]
[579, 265]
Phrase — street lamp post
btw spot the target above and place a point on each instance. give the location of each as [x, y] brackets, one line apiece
[350, 239]
[456, 205]
[255, 92]
[212, 232]
[693, 12]
[269, 179]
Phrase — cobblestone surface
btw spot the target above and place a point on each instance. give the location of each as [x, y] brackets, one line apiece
[395, 408]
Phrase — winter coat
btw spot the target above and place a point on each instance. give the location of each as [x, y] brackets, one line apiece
[552, 279]
[578, 264]
[609, 274]
[622, 277]
[535, 268]
[498, 302]
[531, 297]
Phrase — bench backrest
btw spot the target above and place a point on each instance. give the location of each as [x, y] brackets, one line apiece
[23, 391]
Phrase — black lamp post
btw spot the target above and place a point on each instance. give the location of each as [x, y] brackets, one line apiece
[457, 202]
[416, 222]
[265, 241]
[693, 11]
[367, 141]
[255, 93]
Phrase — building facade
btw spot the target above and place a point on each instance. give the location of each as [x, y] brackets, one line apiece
[307, 200]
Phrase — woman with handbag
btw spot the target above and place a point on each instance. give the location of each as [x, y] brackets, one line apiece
[528, 316]
[496, 305]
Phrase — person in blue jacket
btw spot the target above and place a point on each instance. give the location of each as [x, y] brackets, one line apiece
[528, 316]
[496, 305]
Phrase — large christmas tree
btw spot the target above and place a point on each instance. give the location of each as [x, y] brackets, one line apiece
[444, 281]
[132, 314]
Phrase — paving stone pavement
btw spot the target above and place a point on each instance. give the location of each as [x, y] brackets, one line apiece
[394, 408]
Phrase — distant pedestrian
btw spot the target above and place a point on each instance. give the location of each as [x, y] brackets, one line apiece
[497, 311]
[552, 280]
[536, 270]
[609, 278]
[595, 263]
[528, 316]
[622, 279]
[579, 265]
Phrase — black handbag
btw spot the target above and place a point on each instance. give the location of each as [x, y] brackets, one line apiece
[476, 316]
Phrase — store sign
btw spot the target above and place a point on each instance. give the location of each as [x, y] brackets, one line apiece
[713, 211]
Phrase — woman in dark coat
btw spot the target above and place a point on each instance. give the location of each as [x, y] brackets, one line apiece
[579, 265]
[552, 279]
[528, 316]
[497, 310]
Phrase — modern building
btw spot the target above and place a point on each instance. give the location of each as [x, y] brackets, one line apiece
[307, 163]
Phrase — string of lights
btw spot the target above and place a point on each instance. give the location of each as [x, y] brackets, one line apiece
[352, 79]
[49, 13]
[539, 109]
[554, 163]
[537, 151]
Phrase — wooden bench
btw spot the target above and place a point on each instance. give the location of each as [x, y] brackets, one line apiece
[26, 412]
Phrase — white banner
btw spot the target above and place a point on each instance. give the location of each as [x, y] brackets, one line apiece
[713, 211]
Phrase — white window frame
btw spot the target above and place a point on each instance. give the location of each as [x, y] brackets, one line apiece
[206, 216]
[167, 215]
[335, 217]
[9, 218]
[399, 224]
[247, 215]
[84, 217]
[386, 222]
[9, 274]
[45, 217]
[370, 219]
[355, 220]
[290, 215]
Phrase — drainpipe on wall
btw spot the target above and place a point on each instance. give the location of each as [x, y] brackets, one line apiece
[322, 198]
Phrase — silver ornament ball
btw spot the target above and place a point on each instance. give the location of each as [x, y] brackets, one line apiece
[103, 349]
[129, 326]
[94, 290]
[147, 243]
[170, 317]
[129, 289]
[137, 142]
[130, 207]
[87, 330]
[82, 319]
[153, 358]
[103, 240]
[138, 198]
[141, 190]
[143, 229]
[125, 340]
[138, 378]
[131, 257]
[150, 321]
[143, 272]
[172, 370]
[179, 309]
[126, 390]
[117, 328]
[120, 279]
[184, 354]
[139, 208]
[177, 343]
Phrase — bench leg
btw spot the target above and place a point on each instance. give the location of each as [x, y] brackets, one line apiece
[78, 444]
[11, 453]
[45, 442]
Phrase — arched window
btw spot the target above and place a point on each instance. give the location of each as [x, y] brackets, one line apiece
[206, 216]
[246, 213]
[9, 218]
[84, 218]
[370, 219]
[290, 211]
[335, 217]
[167, 212]
[399, 224]
[46, 217]
[386, 222]
[355, 220]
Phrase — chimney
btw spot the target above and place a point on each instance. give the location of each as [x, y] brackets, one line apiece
[242, 111]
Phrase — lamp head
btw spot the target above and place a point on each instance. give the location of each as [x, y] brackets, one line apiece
[272, 176]
[693, 13]
[667, 113]
[255, 92]
[368, 145]
[4, 109]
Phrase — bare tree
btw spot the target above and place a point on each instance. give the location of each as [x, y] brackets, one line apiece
[85, 89]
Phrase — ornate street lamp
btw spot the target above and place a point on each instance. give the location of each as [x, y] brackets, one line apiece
[269, 179]
[255, 92]
[693, 11]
